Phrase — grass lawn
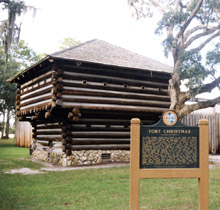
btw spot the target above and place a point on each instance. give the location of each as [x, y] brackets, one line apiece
[92, 189]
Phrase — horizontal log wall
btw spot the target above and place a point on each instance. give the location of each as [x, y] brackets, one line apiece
[108, 89]
[90, 108]
[35, 94]
[100, 130]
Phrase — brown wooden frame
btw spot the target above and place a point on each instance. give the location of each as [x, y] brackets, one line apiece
[202, 173]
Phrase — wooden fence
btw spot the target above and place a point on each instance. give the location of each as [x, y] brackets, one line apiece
[23, 134]
[214, 128]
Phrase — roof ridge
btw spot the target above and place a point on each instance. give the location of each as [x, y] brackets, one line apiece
[132, 52]
[73, 47]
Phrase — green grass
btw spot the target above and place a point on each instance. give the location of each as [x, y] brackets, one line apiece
[92, 189]
[12, 157]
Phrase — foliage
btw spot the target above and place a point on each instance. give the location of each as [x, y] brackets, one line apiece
[69, 42]
[21, 57]
[192, 28]
[24, 56]
[10, 31]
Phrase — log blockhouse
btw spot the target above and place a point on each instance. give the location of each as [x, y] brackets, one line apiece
[80, 101]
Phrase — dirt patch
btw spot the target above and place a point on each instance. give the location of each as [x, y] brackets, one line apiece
[214, 161]
[24, 171]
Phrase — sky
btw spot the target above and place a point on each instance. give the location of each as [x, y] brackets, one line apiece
[108, 20]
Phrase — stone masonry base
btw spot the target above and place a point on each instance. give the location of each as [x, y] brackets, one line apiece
[83, 157]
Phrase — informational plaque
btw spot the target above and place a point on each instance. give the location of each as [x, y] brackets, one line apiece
[169, 144]
[169, 149]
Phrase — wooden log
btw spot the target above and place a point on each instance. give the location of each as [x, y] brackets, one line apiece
[54, 90]
[115, 87]
[54, 82]
[68, 139]
[63, 141]
[70, 90]
[59, 87]
[100, 128]
[76, 111]
[70, 115]
[103, 121]
[49, 126]
[113, 80]
[48, 115]
[63, 148]
[54, 75]
[120, 101]
[68, 146]
[68, 152]
[54, 98]
[37, 89]
[69, 105]
[102, 134]
[59, 79]
[59, 71]
[43, 143]
[75, 119]
[37, 80]
[35, 101]
[54, 68]
[59, 102]
[101, 147]
[50, 132]
[34, 117]
[59, 95]
[99, 141]
[66, 133]
[127, 73]
[36, 93]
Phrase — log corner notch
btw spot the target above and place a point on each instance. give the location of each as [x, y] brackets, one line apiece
[74, 115]
[66, 138]
[56, 81]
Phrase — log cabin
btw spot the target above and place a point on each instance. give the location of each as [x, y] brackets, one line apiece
[80, 101]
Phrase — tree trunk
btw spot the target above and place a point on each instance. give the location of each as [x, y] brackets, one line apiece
[3, 124]
[7, 124]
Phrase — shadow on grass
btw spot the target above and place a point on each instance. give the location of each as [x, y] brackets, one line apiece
[7, 143]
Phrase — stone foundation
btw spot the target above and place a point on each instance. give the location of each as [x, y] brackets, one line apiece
[83, 157]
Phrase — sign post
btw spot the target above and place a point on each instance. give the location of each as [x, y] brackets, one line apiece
[169, 149]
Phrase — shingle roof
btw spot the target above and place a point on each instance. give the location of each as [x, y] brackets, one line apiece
[98, 51]
[101, 52]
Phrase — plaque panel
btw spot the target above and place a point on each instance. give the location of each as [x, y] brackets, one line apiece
[165, 146]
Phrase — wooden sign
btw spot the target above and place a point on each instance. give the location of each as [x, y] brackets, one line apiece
[169, 149]
[169, 144]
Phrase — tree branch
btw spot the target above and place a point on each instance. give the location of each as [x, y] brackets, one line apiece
[156, 5]
[200, 105]
[192, 30]
[210, 86]
[185, 96]
[197, 36]
[188, 21]
[207, 41]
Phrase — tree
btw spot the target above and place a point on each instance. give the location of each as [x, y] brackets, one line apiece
[69, 42]
[21, 57]
[191, 28]
[9, 30]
